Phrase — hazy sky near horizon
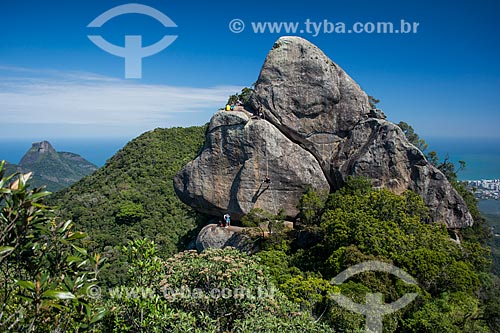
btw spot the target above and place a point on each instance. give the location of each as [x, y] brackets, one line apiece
[55, 83]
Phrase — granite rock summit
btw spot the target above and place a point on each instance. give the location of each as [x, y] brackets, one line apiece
[317, 129]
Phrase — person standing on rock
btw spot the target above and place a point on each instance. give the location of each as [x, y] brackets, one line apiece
[227, 220]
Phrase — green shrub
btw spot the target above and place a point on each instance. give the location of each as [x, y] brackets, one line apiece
[44, 270]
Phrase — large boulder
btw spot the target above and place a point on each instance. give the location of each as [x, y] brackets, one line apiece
[309, 97]
[214, 237]
[240, 152]
[318, 129]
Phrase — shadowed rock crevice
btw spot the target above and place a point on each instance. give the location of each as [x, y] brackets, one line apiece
[234, 205]
[319, 128]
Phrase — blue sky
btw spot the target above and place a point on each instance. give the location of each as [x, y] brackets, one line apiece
[55, 83]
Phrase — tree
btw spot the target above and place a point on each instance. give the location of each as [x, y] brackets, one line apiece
[310, 205]
[450, 312]
[359, 223]
[233, 99]
[243, 96]
[213, 291]
[130, 212]
[433, 158]
[413, 137]
[373, 101]
[44, 271]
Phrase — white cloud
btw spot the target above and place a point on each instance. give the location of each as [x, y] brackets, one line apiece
[105, 105]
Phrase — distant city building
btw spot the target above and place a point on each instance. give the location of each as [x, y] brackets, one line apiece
[485, 188]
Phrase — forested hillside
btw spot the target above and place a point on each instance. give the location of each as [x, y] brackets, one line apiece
[132, 196]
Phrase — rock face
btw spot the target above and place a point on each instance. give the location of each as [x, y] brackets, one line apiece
[379, 150]
[309, 97]
[239, 154]
[318, 128]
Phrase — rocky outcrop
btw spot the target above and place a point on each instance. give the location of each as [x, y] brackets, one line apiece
[37, 150]
[239, 154]
[318, 129]
[309, 97]
[215, 237]
[378, 149]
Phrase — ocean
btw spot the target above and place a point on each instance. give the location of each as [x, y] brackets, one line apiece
[96, 151]
[482, 156]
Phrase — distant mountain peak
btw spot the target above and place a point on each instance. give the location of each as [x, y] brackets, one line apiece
[37, 149]
[43, 147]
[54, 169]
